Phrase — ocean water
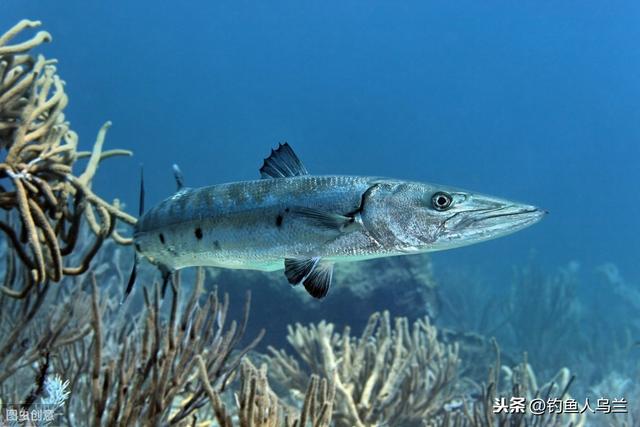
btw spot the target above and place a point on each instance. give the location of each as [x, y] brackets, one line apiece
[534, 101]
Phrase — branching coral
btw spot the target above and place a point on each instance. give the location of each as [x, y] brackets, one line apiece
[36, 176]
[258, 405]
[390, 375]
[398, 284]
[505, 383]
[156, 366]
[27, 331]
[144, 368]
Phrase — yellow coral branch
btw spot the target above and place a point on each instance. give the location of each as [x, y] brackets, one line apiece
[38, 39]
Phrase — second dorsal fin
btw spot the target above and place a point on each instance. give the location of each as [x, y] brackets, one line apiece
[282, 163]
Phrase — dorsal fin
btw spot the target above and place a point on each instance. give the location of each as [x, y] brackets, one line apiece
[177, 175]
[282, 163]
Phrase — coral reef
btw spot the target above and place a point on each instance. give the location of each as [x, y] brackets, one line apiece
[542, 313]
[36, 177]
[39, 324]
[260, 407]
[129, 369]
[158, 364]
[168, 361]
[492, 406]
[401, 285]
[549, 327]
[45, 204]
[390, 375]
[402, 377]
[141, 367]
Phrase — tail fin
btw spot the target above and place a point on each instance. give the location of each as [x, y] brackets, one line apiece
[134, 269]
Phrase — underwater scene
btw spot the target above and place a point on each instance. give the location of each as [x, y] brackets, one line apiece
[314, 214]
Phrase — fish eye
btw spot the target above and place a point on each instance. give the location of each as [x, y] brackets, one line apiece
[441, 201]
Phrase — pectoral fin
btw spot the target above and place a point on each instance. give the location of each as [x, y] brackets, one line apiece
[328, 220]
[314, 273]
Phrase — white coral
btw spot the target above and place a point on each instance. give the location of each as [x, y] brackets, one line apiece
[56, 393]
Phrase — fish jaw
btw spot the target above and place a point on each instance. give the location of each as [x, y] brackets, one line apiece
[412, 217]
[486, 218]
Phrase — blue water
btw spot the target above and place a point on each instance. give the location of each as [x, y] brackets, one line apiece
[536, 101]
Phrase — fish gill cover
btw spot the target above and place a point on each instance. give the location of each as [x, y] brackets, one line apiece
[477, 337]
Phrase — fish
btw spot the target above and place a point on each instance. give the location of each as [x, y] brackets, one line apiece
[304, 224]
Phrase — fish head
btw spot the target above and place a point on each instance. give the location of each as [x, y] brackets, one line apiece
[428, 217]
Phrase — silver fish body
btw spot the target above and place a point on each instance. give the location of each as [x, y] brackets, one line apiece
[255, 225]
[305, 223]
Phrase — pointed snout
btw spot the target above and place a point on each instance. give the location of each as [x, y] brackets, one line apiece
[488, 217]
[484, 218]
[508, 215]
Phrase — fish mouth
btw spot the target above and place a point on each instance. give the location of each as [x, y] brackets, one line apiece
[509, 215]
[492, 222]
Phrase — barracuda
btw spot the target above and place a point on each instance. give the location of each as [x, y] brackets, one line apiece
[304, 224]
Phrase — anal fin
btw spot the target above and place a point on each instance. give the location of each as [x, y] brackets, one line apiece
[314, 273]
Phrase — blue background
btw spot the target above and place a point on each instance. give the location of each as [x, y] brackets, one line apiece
[537, 101]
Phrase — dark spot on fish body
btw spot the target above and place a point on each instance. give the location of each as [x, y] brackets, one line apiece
[161, 238]
[198, 233]
[138, 248]
[279, 220]
[216, 245]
